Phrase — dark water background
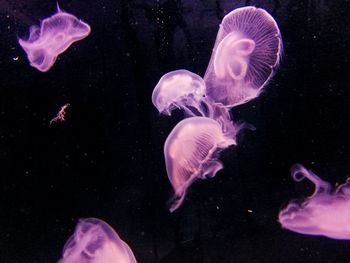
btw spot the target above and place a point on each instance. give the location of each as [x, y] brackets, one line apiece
[106, 160]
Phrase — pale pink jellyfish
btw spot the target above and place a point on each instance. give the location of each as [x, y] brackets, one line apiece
[325, 213]
[191, 152]
[246, 53]
[54, 36]
[180, 89]
[94, 241]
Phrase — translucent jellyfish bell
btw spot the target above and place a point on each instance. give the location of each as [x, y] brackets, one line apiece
[179, 89]
[55, 35]
[246, 53]
[94, 241]
[191, 151]
[325, 213]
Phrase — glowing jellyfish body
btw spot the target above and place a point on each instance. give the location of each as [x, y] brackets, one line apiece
[325, 213]
[94, 241]
[179, 89]
[191, 152]
[245, 55]
[54, 36]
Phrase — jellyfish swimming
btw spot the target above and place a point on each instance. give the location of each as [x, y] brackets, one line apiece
[180, 89]
[94, 241]
[191, 152]
[246, 53]
[325, 213]
[53, 37]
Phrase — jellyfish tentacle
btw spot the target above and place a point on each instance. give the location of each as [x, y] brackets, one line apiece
[176, 201]
[298, 173]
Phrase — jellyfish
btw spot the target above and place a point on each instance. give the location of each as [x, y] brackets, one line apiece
[191, 152]
[325, 213]
[94, 241]
[180, 89]
[53, 37]
[246, 54]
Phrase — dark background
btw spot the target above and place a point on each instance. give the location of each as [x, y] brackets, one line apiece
[106, 159]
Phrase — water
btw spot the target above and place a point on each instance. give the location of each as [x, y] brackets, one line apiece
[106, 159]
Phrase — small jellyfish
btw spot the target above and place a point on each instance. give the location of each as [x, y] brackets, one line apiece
[55, 35]
[191, 152]
[325, 213]
[180, 89]
[94, 241]
[246, 53]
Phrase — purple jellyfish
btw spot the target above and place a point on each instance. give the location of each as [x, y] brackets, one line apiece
[246, 53]
[185, 90]
[325, 213]
[54, 36]
[94, 241]
[191, 151]
[180, 89]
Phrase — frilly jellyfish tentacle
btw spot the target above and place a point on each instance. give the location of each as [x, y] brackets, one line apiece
[298, 173]
[222, 115]
[344, 189]
[207, 107]
[211, 168]
[176, 201]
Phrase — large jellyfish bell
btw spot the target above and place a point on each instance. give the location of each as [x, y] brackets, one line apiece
[191, 151]
[180, 89]
[247, 51]
[94, 241]
[325, 213]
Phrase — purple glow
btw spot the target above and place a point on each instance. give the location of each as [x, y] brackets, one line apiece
[61, 115]
[325, 213]
[191, 151]
[182, 89]
[54, 36]
[179, 89]
[94, 241]
[246, 53]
